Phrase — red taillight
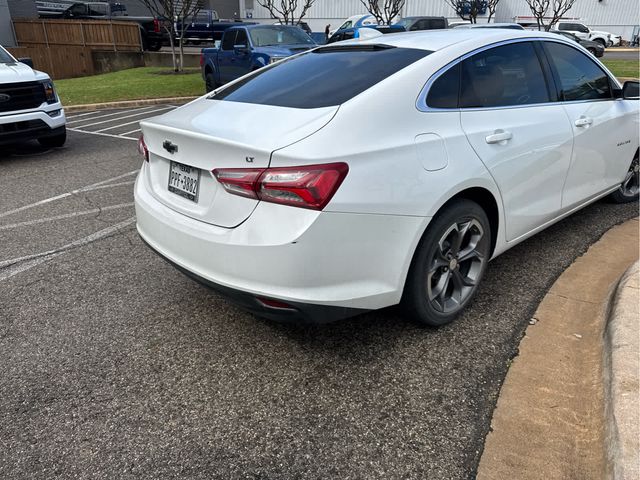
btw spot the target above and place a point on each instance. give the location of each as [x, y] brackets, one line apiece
[239, 181]
[201, 59]
[142, 148]
[156, 25]
[310, 186]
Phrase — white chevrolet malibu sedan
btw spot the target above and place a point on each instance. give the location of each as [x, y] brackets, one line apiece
[386, 171]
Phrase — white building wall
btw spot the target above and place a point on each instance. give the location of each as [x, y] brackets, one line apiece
[616, 16]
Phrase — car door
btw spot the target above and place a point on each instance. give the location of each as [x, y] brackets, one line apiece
[522, 137]
[226, 56]
[242, 64]
[604, 133]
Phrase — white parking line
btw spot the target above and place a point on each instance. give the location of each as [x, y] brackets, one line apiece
[76, 115]
[126, 116]
[88, 188]
[110, 114]
[21, 264]
[102, 134]
[65, 215]
[127, 133]
[117, 126]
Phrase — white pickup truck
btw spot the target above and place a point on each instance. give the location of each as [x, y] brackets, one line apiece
[580, 30]
[29, 105]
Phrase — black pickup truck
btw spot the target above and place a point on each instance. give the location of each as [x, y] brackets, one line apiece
[151, 31]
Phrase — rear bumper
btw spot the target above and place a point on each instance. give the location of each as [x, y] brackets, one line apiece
[22, 126]
[297, 313]
[325, 265]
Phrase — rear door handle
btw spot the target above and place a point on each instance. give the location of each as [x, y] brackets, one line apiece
[498, 136]
[583, 121]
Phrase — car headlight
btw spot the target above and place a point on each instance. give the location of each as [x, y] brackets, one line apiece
[275, 59]
[49, 91]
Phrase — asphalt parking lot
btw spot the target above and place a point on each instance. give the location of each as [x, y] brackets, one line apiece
[117, 366]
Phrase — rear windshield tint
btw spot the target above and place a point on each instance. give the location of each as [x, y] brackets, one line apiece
[322, 78]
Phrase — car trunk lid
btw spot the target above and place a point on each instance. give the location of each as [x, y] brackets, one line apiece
[186, 144]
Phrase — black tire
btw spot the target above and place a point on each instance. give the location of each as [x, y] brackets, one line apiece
[54, 141]
[210, 82]
[423, 279]
[629, 188]
[154, 47]
[592, 51]
[601, 42]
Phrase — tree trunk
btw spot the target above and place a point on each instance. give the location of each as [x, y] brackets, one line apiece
[173, 49]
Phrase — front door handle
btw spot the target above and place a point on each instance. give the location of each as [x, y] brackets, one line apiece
[499, 136]
[583, 121]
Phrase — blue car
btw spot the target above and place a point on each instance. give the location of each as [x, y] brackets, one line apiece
[250, 47]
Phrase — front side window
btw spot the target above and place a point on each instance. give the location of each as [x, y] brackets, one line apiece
[241, 39]
[275, 36]
[325, 77]
[229, 40]
[508, 75]
[98, 10]
[78, 9]
[580, 78]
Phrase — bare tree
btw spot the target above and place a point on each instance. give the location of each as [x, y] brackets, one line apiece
[169, 13]
[384, 10]
[285, 10]
[549, 10]
[186, 9]
[492, 5]
[470, 9]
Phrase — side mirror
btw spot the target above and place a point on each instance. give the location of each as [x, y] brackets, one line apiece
[241, 48]
[26, 61]
[631, 90]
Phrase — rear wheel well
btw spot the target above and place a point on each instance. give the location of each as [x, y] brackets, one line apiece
[208, 70]
[487, 201]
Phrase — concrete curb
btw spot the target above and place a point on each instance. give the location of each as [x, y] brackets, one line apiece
[126, 104]
[549, 420]
[622, 378]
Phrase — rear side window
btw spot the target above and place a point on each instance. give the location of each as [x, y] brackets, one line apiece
[508, 75]
[444, 91]
[321, 78]
[579, 77]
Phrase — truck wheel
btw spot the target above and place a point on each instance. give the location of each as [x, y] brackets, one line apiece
[601, 42]
[592, 51]
[154, 47]
[55, 141]
[210, 82]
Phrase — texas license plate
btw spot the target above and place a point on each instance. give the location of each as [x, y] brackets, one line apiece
[184, 180]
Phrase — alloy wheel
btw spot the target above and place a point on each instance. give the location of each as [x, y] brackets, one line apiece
[455, 266]
[631, 183]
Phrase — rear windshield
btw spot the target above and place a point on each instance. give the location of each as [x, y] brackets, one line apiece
[276, 35]
[322, 78]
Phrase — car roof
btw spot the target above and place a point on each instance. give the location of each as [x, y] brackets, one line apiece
[264, 25]
[434, 40]
[491, 25]
[420, 17]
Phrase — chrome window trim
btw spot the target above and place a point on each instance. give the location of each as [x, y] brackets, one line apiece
[421, 102]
